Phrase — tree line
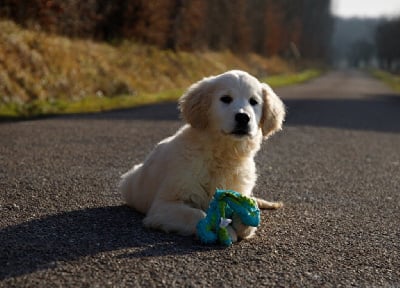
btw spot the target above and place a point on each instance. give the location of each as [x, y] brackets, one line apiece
[387, 38]
[287, 28]
[353, 41]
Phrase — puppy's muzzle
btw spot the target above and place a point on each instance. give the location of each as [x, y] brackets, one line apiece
[241, 124]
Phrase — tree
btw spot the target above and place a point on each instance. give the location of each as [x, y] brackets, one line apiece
[388, 44]
[268, 27]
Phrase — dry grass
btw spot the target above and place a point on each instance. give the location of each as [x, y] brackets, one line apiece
[42, 73]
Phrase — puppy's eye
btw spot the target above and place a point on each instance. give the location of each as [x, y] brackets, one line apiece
[253, 102]
[226, 99]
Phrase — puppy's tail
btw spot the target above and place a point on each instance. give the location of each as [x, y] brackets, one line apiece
[263, 204]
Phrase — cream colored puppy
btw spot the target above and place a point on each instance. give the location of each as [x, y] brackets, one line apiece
[228, 116]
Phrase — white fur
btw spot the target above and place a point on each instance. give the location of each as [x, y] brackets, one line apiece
[176, 182]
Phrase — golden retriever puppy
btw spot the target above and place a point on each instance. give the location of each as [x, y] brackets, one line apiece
[227, 118]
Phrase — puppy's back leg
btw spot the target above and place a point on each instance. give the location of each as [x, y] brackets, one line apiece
[263, 204]
[173, 217]
[130, 189]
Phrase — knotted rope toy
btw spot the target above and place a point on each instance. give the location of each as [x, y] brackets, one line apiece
[213, 228]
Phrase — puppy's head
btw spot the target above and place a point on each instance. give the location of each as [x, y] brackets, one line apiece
[233, 103]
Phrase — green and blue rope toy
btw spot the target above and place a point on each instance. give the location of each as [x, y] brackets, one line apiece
[225, 203]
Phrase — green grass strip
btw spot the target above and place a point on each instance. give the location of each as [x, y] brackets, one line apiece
[391, 79]
[291, 79]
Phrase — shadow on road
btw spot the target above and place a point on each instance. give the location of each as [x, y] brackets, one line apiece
[374, 113]
[380, 113]
[40, 244]
[167, 111]
[377, 113]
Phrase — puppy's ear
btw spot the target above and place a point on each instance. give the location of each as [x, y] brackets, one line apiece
[273, 112]
[195, 103]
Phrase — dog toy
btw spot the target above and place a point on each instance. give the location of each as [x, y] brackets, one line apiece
[225, 203]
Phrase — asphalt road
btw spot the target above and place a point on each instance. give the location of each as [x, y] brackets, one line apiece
[336, 166]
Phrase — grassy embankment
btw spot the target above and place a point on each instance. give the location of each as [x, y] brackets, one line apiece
[48, 74]
[393, 80]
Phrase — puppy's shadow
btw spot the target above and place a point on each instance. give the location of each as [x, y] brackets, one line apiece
[39, 244]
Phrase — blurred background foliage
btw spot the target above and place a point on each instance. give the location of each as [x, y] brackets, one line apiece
[58, 51]
[267, 27]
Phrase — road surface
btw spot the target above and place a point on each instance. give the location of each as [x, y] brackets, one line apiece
[336, 166]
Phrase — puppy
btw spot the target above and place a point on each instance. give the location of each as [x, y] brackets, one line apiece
[227, 118]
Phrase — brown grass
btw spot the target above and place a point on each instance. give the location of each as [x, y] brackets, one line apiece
[43, 74]
[35, 65]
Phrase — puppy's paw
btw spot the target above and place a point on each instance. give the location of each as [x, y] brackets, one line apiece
[263, 204]
[242, 231]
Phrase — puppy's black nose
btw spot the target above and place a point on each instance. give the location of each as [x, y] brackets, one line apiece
[242, 118]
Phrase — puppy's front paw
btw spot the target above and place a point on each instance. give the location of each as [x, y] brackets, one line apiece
[242, 231]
